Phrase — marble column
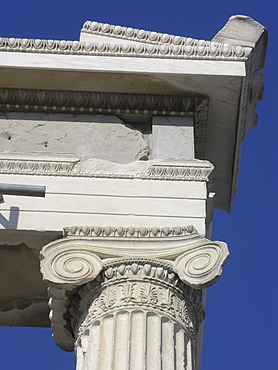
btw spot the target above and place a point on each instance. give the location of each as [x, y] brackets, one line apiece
[136, 315]
[123, 308]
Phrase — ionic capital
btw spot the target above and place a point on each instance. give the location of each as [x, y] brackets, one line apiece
[79, 257]
[149, 258]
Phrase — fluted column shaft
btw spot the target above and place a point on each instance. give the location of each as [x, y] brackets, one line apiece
[137, 315]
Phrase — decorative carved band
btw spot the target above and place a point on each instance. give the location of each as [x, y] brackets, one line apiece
[195, 49]
[47, 165]
[178, 173]
[99, 102]
[37, 167]
[134, 34]
[129, 232]
[151, 37]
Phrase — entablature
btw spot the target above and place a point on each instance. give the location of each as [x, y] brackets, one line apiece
[58, 76]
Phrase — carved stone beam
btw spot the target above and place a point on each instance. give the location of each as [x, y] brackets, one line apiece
[179, 107]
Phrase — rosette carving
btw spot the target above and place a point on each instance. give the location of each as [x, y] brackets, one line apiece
[70, 266]
[201, 266]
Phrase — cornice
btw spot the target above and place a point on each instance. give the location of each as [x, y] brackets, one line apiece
[134, 34]
[251, 33]
[152, 37]
[246, 31]
[195, 49]
[251, 94]
[241, 131]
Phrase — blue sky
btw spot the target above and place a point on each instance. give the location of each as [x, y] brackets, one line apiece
[241, 325]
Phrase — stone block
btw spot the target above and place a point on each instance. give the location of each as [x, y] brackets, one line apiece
[97, 136]
[173, 137]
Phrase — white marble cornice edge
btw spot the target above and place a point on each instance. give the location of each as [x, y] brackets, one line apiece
[203, 50]
[134, 34]
[149, 37]
[243, 30]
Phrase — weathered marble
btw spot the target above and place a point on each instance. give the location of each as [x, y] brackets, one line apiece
[138, 322]
[173, 137]
[227, 70]
[113, 289]
[136, 136]
[95, 136]
[142, 193]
